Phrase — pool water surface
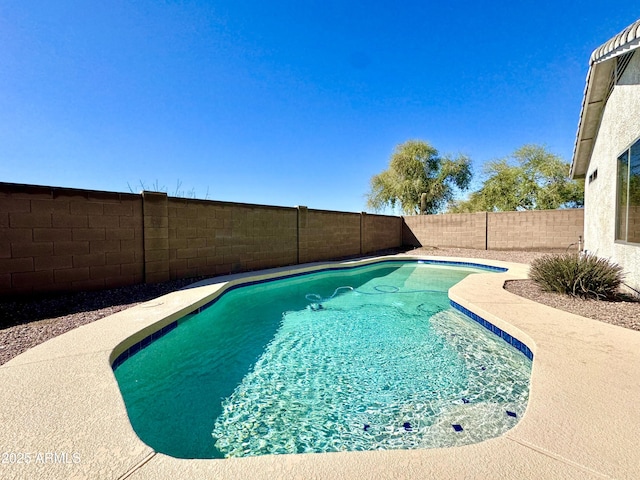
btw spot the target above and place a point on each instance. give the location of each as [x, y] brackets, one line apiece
[360, 359]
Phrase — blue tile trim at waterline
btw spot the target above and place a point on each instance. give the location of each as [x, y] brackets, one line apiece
[464, 264]
[511, 340]
[145, 342]
[151, 338]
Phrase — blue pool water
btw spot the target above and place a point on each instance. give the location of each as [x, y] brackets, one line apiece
[360, 359]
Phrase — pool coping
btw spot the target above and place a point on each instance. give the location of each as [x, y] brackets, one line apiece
[62, 414]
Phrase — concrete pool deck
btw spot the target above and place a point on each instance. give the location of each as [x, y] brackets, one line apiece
[62, 415]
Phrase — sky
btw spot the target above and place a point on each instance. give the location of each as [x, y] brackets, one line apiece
[284, 102]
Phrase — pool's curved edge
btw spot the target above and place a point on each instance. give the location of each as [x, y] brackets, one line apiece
[469, 296]
[136, 343]
[507, 337]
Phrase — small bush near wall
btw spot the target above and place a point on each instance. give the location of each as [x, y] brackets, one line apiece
[578, 275]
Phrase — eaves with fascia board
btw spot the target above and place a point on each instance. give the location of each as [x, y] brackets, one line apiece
[600, 80]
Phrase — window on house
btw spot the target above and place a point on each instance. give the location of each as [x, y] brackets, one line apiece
[628, 195]
[633, 217]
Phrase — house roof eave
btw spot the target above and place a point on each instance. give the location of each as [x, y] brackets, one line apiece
[596, 92]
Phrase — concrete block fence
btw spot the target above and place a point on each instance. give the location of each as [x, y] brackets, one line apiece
[526, 230]
[462, 230]
[61, 239]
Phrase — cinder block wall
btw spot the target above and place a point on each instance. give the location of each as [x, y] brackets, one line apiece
[65, 239]
[212, 238]
[380, 232]
[323, 235]
[534, 229]
[61, 239]
[462, 230]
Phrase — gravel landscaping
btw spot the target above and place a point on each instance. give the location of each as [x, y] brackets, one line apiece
[25, 323]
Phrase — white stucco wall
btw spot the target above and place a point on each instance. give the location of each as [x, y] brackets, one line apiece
[619, 128]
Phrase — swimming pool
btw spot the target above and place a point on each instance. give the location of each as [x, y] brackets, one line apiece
[302, 365]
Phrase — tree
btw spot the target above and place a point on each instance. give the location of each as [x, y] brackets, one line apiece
[539, 180]
[415, 168]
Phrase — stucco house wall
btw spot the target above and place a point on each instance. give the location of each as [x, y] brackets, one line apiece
[619, 128]
[616, 128]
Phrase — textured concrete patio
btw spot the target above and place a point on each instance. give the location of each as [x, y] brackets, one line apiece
[62, 415]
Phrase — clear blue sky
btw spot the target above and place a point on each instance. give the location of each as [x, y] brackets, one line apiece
[284, 102]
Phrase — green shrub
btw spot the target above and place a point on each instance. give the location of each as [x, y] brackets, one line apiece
[578, 275]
